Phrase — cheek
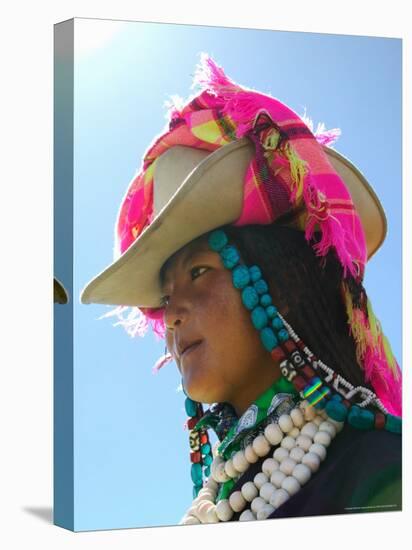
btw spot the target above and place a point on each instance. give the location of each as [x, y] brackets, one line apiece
[230, 325]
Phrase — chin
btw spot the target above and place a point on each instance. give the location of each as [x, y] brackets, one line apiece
[200, 393]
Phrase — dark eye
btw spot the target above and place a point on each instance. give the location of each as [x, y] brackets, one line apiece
[164, 300]
[194, 272]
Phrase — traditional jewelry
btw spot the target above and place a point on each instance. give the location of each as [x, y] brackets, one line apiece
[302, 437]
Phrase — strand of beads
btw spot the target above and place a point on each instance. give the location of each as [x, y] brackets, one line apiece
[339, 406]
[301, 439]
[200, 449]
[297, 362]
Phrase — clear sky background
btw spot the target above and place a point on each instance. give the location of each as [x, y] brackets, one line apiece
[132, 463]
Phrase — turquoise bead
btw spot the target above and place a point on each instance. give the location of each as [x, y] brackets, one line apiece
[336, 410]
[207, 471]
[268, 338]
[393, 424]
[250, 297]
[208, 460]
[337, 397]
[217, 240]
[205, 449]
[283, 335]
[196, 490]
[255, 273]
[259, 318]
[196, 473]
[265, 300]
[271, 311]
[261, 286]
[240, 276]
[230, 256]
[360, 418]
[277, 323]
[191, 407]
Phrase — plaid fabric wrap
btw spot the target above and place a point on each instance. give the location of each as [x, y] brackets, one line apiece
[289, 168]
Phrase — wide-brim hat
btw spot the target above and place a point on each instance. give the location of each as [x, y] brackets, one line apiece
[187, 181]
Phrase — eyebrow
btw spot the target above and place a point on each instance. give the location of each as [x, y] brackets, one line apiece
[191, 253]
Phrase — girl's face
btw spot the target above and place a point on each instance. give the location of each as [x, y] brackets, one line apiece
[227, 361]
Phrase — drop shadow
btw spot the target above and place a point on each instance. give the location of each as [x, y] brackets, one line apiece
[45, 513]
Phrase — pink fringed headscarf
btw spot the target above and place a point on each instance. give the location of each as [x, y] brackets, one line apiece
[290, 169]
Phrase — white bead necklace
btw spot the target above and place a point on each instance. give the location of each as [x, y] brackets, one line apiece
[301, 439]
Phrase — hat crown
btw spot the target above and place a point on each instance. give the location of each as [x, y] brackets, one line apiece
[172, 169]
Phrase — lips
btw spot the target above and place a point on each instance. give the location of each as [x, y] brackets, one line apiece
[187, 347]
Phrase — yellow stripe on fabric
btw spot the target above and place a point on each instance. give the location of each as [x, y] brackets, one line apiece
[210, 132]
[148, 174]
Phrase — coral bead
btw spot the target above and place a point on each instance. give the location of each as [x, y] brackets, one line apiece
[265, 511]
[266, 491]
[223, 510]
[250, 454]
[280, 454]
[273, 434]
[240, 462]
[261, 445]
[323, 438]
[269, 465]
[247, 515]
[318, 449]
[285, 423]
[312, 460]
[279, 497]
[249, 491]
[277, 478]
[291, 485]
[304, 442]
[237, 502]
[287, 466]
[260, 479]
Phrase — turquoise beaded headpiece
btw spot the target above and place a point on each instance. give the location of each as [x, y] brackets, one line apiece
[298, 364]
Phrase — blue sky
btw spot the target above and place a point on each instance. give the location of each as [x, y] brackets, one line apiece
[131, 453]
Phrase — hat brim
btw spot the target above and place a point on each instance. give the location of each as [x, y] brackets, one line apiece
[133, 279]
[61, 296]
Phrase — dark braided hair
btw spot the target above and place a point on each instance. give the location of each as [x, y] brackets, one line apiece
[307, 288]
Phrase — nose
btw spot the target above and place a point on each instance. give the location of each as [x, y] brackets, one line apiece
[176, 311]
